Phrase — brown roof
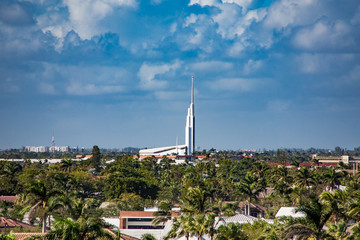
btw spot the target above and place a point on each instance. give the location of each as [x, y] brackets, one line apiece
[25, 235]
[9, 223]
[127, 214]
[8, 198]
[127, 237]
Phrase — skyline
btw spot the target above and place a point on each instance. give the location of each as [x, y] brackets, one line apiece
[115, 73]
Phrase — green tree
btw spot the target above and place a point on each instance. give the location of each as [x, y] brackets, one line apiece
[200, 225]
[231, 231]
[251, 187]
[96, 158]
[332, 178]
[282, 157]
[304, 178]
[40, 198]
[337, 202]
[68, 229]
[183, 226]
[147, 236]
[195, 201]
[9, 236]
[163, 214]
[66, 165]
[312, 225]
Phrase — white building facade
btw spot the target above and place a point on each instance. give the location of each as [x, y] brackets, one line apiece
[189, 147]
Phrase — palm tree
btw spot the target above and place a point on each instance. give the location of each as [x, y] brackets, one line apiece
[195, 201]
[281, 173]
[339, 230]
[259, 168]
[200, 225]
[147, 236]
[316, 161]
[312, 225]
[355, 233]
[40, 197]
[354, 205]
[68, 229]
[163, 214]
[337, 201]
[212, 221]
[66, 165]
[304, 178]
[183, 226]
[82, 208]
[283, 190]
[231, 231]
[251, 187]
[332, 178]
[9, 236]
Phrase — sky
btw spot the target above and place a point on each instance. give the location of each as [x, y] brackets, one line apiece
[117, 73]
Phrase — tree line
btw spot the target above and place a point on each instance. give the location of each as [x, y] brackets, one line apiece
[207, 191]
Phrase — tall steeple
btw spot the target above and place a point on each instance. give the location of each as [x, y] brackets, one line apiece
[190, 124]
[192, 90]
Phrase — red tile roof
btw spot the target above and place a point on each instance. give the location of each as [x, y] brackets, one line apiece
[9, 223]
[8, 198]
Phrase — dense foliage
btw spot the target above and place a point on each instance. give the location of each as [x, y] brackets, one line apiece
[207, 191]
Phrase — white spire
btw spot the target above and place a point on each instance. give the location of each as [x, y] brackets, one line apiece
[190, 124]
[192, 89]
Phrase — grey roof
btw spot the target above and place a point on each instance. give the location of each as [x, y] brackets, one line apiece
[241, 218]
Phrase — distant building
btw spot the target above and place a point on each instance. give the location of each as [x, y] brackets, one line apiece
[47, 149]
[36, 149]
[337, 159]
[161, 151]
[189, 147]
[139, 220]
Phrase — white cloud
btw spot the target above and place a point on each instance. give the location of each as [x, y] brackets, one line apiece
[243, 3]
[76, 88]
[173, 28]
[82, 80]
[233, 22]
[201, 34]
[148, 73]
[85, 14]
[324, 36]
[82, 16]
[233, 84]
[286, 13]
[236, 49]
[210, 66]
[310, 63]
[252, 65]
[190, 20]
[323, 63]
[204, 2]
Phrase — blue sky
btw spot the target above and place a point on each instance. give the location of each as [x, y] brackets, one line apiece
[117, 73]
